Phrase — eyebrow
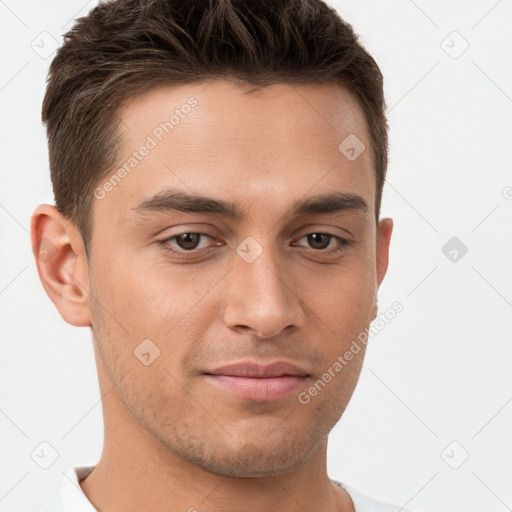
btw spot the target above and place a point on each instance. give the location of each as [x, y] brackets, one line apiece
[177, 200]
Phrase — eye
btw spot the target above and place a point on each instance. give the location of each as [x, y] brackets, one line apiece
[322, 241]
[185, 242]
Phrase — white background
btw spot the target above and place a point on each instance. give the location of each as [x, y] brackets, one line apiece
[438, 373]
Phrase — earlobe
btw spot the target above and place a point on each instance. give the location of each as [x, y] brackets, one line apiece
[61, 263]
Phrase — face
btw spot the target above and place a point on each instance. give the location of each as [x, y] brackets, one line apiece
[264, 273]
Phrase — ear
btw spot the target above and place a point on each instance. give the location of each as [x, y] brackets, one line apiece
[61, 263]
[384, 230]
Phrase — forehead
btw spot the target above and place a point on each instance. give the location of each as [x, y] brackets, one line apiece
[279, 141]
[279, 114]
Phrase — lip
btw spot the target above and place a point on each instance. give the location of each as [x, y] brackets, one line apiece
[253, 381]
[256, 370]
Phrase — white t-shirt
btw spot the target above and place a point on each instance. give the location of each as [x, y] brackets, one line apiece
[71, 498]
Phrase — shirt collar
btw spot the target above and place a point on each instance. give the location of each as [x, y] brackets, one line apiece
[73, 498]
[71, 494]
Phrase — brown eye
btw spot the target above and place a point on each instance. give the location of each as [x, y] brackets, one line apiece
[185, 243]
[324, 243]
[188, 241]
[319, 240]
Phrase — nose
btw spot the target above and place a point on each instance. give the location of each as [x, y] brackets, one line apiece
[261, 299]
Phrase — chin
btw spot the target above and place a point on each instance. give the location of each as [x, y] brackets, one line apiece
[252, 459]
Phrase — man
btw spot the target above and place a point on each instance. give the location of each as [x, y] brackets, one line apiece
[217, 169]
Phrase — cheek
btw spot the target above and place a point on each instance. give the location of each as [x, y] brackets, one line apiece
[342, 299]
[152, 296]
[164, 305]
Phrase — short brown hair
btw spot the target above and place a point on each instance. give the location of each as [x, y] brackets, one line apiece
[125, 47]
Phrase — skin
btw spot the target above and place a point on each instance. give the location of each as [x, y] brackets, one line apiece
[172, 440]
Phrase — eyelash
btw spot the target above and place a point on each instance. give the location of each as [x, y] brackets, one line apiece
[182, 253]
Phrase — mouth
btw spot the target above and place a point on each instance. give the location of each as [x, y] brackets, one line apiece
[253, 381]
